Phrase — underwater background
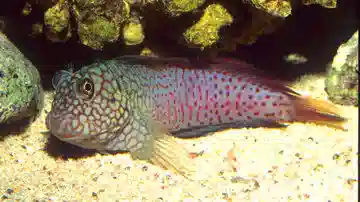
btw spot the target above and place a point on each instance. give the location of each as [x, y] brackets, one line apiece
[313, 44]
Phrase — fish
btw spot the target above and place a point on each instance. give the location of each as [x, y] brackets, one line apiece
[142, 104]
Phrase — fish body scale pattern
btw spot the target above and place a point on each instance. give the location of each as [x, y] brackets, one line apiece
[187, 98]
[126, 97]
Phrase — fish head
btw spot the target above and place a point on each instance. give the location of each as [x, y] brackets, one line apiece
[84, 108]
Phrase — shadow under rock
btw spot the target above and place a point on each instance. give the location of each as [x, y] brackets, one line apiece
[14, 128]
[311, 31]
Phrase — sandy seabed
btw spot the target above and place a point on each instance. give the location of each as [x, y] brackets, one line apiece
[303, 162]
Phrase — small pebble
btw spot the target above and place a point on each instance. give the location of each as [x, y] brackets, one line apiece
[145, 168]
[9, 191]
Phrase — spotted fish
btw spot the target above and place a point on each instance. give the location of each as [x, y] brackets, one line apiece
[138, 104]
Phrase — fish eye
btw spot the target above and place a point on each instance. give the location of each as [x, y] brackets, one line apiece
[86, 88]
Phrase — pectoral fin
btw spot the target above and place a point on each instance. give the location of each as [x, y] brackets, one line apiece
[163, 150]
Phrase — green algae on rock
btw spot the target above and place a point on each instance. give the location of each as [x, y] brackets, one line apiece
[133, 33]
[279, 8]
[20, 88]
[99, 21]
[98, 31]
[324, 3]
[176, 7]
[342, 79]
[206, 31]
[56, 20]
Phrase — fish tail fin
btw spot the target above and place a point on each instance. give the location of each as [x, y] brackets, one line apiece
[318, 111]
[163, 150]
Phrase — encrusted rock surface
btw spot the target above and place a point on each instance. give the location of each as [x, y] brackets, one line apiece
[342, 84]
[20, 89]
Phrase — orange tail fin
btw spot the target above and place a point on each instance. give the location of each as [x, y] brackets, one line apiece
[318, 111]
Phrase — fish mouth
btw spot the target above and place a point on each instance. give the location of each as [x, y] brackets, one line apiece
[59, 126]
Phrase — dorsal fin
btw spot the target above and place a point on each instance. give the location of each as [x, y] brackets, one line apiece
[60, 76]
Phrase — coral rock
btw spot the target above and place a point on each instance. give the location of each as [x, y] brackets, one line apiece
[279, 8]
[324, 3]
[133, 33]
[57, 22]
[20, 89]
[342, 80]
[176, 7]
[205, 32]
[99, 21]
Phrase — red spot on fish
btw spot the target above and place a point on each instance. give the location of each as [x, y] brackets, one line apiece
[249, 117]
[231, 118]
[236, 105]
[216, 105]
[215, 77]
[274, 104]
[239, 79]
[190, 112]
[243, 87]
[230, 79]
[227, 87]
[238, 95]
[223, 79]
[255, 103]
[227, 112]
[263, 104]
[199, 91]
[267, 97]
[216, 112]
[250, 107]
[239, 114]
[256, 113]
[198, 114]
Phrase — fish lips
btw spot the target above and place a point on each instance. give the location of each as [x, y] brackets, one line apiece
[59, 127]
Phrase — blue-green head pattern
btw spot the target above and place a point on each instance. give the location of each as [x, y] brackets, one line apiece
[86, 110]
